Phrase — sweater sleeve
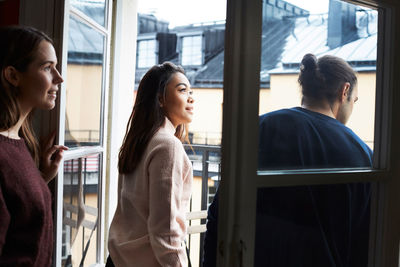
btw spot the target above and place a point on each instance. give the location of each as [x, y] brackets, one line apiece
[166, 223]
[5, 219]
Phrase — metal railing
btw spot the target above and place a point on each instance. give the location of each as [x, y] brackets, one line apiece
[206, 162]
[212, 139]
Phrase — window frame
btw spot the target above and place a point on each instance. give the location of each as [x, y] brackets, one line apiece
[121, 97]
[66, 12]
[240, 178]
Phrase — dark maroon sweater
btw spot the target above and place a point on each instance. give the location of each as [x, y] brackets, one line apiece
[26, 225]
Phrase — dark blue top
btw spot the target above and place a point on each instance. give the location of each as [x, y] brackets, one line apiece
[300, 138]
[322, 225]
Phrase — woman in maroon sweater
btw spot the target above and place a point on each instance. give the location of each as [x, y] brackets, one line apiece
[28, 80]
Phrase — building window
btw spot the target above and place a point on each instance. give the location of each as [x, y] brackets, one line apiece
[146, 53]
[192, 50]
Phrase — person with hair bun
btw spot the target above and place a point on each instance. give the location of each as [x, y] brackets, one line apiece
[313, 226]
[327, 86]
[29, 80]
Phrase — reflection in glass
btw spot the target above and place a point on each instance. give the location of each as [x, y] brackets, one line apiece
[84, 88]
[322, 225]
[80, 210]
[289, 32]
[95, 9]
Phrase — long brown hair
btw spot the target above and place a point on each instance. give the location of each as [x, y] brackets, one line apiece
[18, 47]
[147, 115]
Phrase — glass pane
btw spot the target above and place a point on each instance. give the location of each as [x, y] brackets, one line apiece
[81, 210]
[191, 50]
[324, 225]
[328, 120]
[95, 9]
[85, 85]
[146, 53]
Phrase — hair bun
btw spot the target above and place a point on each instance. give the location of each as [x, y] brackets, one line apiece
[308, 63]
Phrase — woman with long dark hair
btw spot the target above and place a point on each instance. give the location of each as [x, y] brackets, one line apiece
[155, 179]
[29, 80]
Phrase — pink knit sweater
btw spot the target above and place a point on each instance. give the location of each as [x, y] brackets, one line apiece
[149, 225]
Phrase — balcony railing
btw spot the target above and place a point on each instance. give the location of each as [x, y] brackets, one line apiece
[206, 162]
[206, 170]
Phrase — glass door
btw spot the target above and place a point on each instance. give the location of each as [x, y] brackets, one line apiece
[83, 129]
[265, 43]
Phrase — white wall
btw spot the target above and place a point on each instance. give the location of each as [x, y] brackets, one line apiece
[122, 81]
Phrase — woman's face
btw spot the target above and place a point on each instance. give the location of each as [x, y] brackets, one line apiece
[178, 101]
[38, 85]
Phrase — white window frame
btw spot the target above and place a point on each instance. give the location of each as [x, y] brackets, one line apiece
[121, 98]
[80, 152]
[240, 178]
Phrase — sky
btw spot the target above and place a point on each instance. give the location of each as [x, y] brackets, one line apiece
[181, 12]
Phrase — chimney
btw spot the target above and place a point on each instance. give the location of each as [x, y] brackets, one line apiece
[167, 46]
[341, 23]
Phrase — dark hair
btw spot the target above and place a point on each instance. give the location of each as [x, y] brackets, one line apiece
[323, 78]
[147, 115]
[18, 47]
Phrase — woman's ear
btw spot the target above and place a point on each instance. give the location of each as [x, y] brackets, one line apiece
[11, 75]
